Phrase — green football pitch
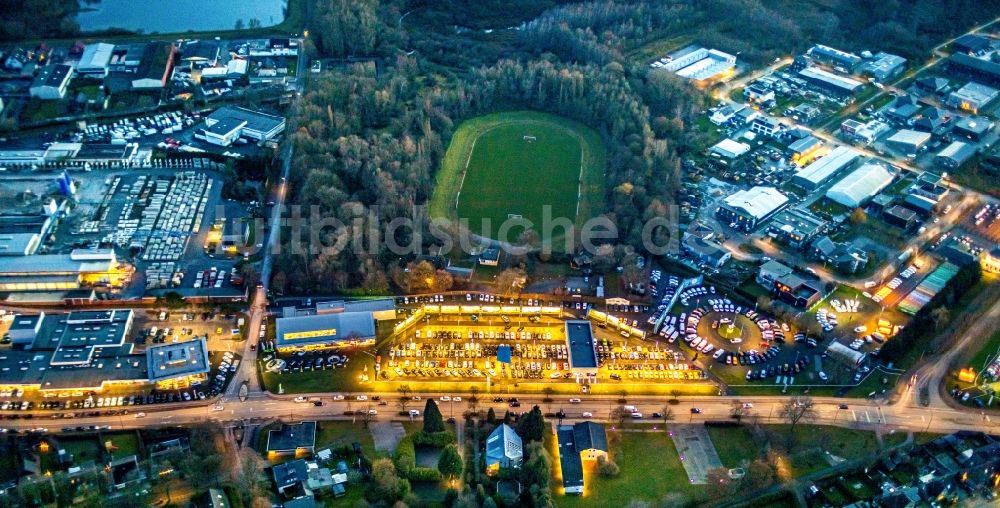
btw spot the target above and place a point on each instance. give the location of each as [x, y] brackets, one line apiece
[515, 164]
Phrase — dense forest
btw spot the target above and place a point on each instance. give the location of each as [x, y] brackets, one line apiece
[27, 19]
[370, 136]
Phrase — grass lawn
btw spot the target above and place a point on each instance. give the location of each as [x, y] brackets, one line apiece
[976, 179]
[987, 352]
[894, 439]
[335, 434]
[37, 110]
[814, 441]
[329, 380]
[126, 442]
[81, 448]
[650, 468]
[658, 49]
[736, 444]
[920, 438]
[488, 154]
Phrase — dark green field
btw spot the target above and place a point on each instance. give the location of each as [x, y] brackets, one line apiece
[510, 175]
[517, 163]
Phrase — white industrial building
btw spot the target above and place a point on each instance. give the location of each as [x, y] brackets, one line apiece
[228, 123]
[729, 149]
[748, 208]
[821, 170]
[955, 155]
[698, 63]
[51, 83]
[859, 186]
[830, 82]
[973, 97]
[95, 59]
[908, 141]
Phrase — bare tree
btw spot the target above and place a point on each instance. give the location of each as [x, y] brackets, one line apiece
[510, 281]
[796, 409]
[474, 399]
[405, 390]
[548, 391]
[366, 415]
[738, 410]
[668, 414]
[402, 403]
[405, 397]
[941, 316]
[619, 415]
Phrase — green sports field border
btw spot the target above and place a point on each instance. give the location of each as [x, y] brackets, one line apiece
[449, 178]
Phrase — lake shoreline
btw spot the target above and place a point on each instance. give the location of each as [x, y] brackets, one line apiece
[155, 17]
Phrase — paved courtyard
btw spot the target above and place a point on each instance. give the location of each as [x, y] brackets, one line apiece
[387, 435]
[696, 451]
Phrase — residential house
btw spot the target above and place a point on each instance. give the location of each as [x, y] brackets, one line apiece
[842, 256]
[296, 439]
[787, 285]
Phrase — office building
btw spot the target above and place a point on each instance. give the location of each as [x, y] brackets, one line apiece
[795, 227]
[504, 449]
[228, 123]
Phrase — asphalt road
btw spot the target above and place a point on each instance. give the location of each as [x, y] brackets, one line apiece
[862, 414]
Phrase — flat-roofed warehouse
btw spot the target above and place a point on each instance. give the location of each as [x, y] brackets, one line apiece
[178, 361]
[955, 155]
[822, 170]
[53, 272]
[973, 97]
[979, 69]
[95, 59]
[323, 331]
[859, 186]
[89, 350]
[582, 355]
[234, 122]
[748, 208]
[830, 82]
[834, 56]
[729, 149]
[908, 141]
[381, 308]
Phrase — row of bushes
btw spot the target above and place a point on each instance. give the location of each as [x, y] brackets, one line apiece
[439, 439]
[406, 454]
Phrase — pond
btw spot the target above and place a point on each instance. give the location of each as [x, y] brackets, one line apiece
[149, 16]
